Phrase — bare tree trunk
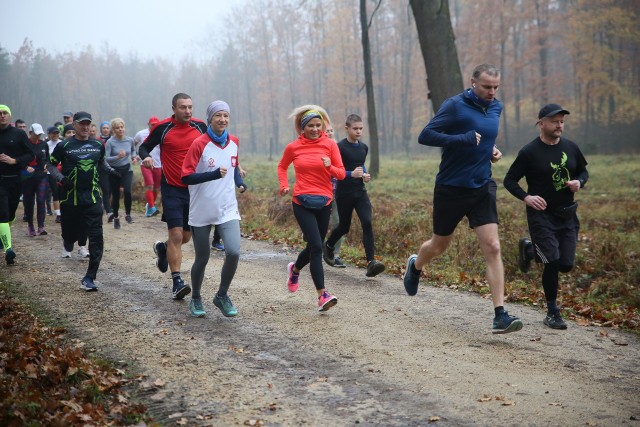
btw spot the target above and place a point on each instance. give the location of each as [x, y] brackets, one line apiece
[437, 43]
[407, 50]
[542, 21]
[374, 165]
[504, 34]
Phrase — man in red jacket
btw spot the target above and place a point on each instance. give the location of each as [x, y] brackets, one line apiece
[174, 135]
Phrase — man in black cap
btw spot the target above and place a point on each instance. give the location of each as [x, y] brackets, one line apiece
[555, 170]
[80, 197]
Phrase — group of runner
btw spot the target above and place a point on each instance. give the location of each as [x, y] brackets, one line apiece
[195, 164]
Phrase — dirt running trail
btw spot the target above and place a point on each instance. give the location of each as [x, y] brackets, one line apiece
[378, 358]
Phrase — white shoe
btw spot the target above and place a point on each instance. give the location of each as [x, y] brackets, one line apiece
[83, 252]
[66, 254]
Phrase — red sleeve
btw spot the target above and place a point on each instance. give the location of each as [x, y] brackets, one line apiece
[237, 141]
[283, 166]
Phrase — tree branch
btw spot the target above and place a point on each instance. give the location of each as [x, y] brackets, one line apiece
[373, 13]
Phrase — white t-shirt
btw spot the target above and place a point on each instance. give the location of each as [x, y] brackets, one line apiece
[212, 202]
[155, 153]
[52, 145]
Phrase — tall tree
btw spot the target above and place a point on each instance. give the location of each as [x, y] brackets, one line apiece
[438, 46]
[374, 165]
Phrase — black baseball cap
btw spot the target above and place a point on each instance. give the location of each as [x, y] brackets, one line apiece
[53, 129]
[82, 116]
[550, 110]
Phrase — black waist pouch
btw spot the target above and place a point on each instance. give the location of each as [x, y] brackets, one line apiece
[566, 211]
[312, 201]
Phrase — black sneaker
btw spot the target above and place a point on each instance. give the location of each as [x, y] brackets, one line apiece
[180, 290]
[411, 279]
[116, 223]
[525, 255]
[328, 254]
[10, 256]
[128, 219]
[374, 268]
[88, 285]
[160, 248]
[504, 323]
[337, 262]
[554, 321]
[110, 217]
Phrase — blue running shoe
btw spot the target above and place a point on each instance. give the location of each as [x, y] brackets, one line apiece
[225, 305]
[180, 290]
[160, 248]
[217, 246]
[411, 279]
[88, 285]
[504, 323]
[195, 307]
[150, 211]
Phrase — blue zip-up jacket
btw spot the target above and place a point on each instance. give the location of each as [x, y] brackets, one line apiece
[453, 128]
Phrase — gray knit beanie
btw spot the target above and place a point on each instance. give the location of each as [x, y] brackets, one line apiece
[214, 107]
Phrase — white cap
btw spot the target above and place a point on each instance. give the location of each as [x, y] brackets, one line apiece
[36, 128]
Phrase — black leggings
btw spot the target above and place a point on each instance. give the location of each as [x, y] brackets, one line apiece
[347, 202]
[550, 282]
[125, 179]
[314, 224]
[81, 221]
[35, 189]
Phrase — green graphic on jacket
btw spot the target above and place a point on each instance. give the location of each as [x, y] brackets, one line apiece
[560, 173]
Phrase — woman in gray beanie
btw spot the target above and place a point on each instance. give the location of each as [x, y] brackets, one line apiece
[209, 170]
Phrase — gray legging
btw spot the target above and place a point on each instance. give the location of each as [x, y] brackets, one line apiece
[230, 233]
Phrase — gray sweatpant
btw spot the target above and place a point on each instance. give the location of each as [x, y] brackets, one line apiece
[230, 234]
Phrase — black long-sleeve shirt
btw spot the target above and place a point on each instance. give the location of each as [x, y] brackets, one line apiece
[353, 156]
[547, 168]
[14, 143]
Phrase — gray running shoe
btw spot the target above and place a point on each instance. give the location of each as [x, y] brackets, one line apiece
[555, 321]
[374, 268]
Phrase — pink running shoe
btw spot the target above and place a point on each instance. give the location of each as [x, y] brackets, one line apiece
[326, 301]
[292, 281]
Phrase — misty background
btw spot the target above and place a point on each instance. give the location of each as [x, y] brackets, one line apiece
[128, 59]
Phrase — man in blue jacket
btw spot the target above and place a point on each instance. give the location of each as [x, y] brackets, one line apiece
[466, 127]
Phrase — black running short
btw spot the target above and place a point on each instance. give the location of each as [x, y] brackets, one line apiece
[175, 206]
[451, 204]
[554, 238]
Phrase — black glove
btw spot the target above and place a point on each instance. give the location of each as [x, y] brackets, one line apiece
[114, 173]
[66, 184]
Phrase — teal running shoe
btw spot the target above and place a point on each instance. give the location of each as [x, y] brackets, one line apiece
[195, 307]
[225, 305]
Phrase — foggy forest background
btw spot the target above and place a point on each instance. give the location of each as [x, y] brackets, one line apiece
[582, 54]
